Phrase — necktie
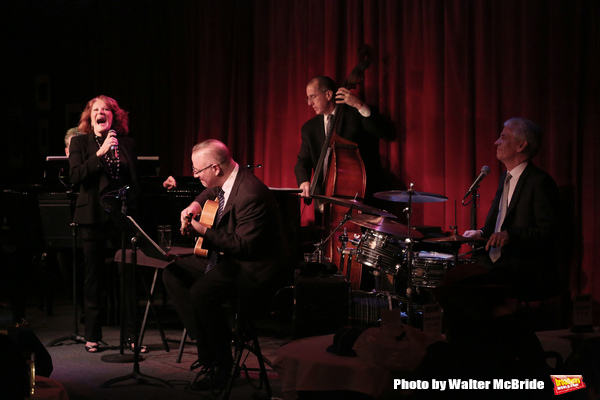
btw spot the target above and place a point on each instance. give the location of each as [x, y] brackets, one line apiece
[495, 251]
[328, 131]
[221, 205]
[329, 128]
[213, 257]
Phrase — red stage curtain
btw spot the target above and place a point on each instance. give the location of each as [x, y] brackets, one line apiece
[447, 73]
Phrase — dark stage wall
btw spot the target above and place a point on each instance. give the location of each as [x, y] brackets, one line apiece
[447, 73]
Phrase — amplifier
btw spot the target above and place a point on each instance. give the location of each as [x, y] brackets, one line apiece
[321, 305]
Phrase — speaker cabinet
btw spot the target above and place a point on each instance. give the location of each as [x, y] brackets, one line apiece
[321, 305]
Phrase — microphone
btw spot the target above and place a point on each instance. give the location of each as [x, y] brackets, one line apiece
[123, 191]
[112, 153]
[250, 167]
[484, 171]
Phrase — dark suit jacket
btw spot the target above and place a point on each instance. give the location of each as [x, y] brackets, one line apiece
[250, 232]
[365, 132]
[529, 259]
[89, 172]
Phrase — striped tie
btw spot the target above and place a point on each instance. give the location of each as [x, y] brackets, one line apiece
[221, 205]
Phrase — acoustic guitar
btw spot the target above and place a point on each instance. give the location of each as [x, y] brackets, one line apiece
[207, 219]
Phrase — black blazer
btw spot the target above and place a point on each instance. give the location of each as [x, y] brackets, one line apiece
[532, 221]
[89, 172]
[365, 132]
[250, 233]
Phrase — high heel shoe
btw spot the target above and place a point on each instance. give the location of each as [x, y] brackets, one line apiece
[143, 349]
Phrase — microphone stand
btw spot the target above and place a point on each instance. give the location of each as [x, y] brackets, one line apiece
[75, 336]
[122, 357]
[474, 201]
[136, 374]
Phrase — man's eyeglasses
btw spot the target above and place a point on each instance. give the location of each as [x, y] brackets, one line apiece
[312, 97]
[196, 171]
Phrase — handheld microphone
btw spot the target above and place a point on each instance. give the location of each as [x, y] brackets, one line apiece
[484, 171]
[112, 153]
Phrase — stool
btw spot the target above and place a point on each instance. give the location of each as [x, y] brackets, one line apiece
[182, 345]
[245, 339]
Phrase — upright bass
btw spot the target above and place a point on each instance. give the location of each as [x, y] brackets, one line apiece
[345, 176]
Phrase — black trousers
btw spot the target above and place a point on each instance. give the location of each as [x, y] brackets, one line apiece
[93, 243]
[200, 299]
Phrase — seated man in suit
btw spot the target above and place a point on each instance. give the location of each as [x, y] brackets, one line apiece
[523, 219]
[247, 249]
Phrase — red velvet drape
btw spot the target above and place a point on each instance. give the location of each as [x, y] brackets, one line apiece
[448, 74]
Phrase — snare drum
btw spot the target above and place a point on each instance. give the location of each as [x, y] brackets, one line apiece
[429, 268]
[380, 251]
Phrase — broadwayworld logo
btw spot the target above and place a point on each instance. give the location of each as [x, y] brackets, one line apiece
[567, 383]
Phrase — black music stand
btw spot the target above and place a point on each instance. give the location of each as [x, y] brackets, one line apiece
[139, 240]
[56, 208]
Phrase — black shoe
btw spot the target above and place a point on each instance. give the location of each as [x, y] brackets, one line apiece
[210, 378]
[142, 349]
[195, 365]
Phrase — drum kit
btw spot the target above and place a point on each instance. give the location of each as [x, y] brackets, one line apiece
[387, 246]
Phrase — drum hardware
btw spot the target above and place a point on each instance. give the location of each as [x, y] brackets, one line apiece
[381, 251]
[382, 224]
[475, 249]
[352, 204]
[410, 196]
[429, 268]
[346, 251]
[366, 307]
[455, 240]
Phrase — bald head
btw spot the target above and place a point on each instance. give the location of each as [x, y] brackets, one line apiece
[212, 163]
[214, 151]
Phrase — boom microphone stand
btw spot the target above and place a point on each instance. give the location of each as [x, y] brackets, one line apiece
[474, 205]
[122, 357]
[136, 374]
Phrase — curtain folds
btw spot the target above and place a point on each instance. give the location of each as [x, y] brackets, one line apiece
[447, 73]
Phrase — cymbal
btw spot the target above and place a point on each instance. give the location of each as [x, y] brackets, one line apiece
[354, 204]
[454, 238]
[381, 224]
[410, 195]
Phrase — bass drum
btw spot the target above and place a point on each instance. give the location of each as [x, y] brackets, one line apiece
[381, 251]
[429, 268]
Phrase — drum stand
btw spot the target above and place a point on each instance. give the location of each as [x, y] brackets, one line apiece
[346, 251]
[321, 244]
[409, 261]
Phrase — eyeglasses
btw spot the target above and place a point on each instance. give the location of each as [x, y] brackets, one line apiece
[196, 171]
[312, 97]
